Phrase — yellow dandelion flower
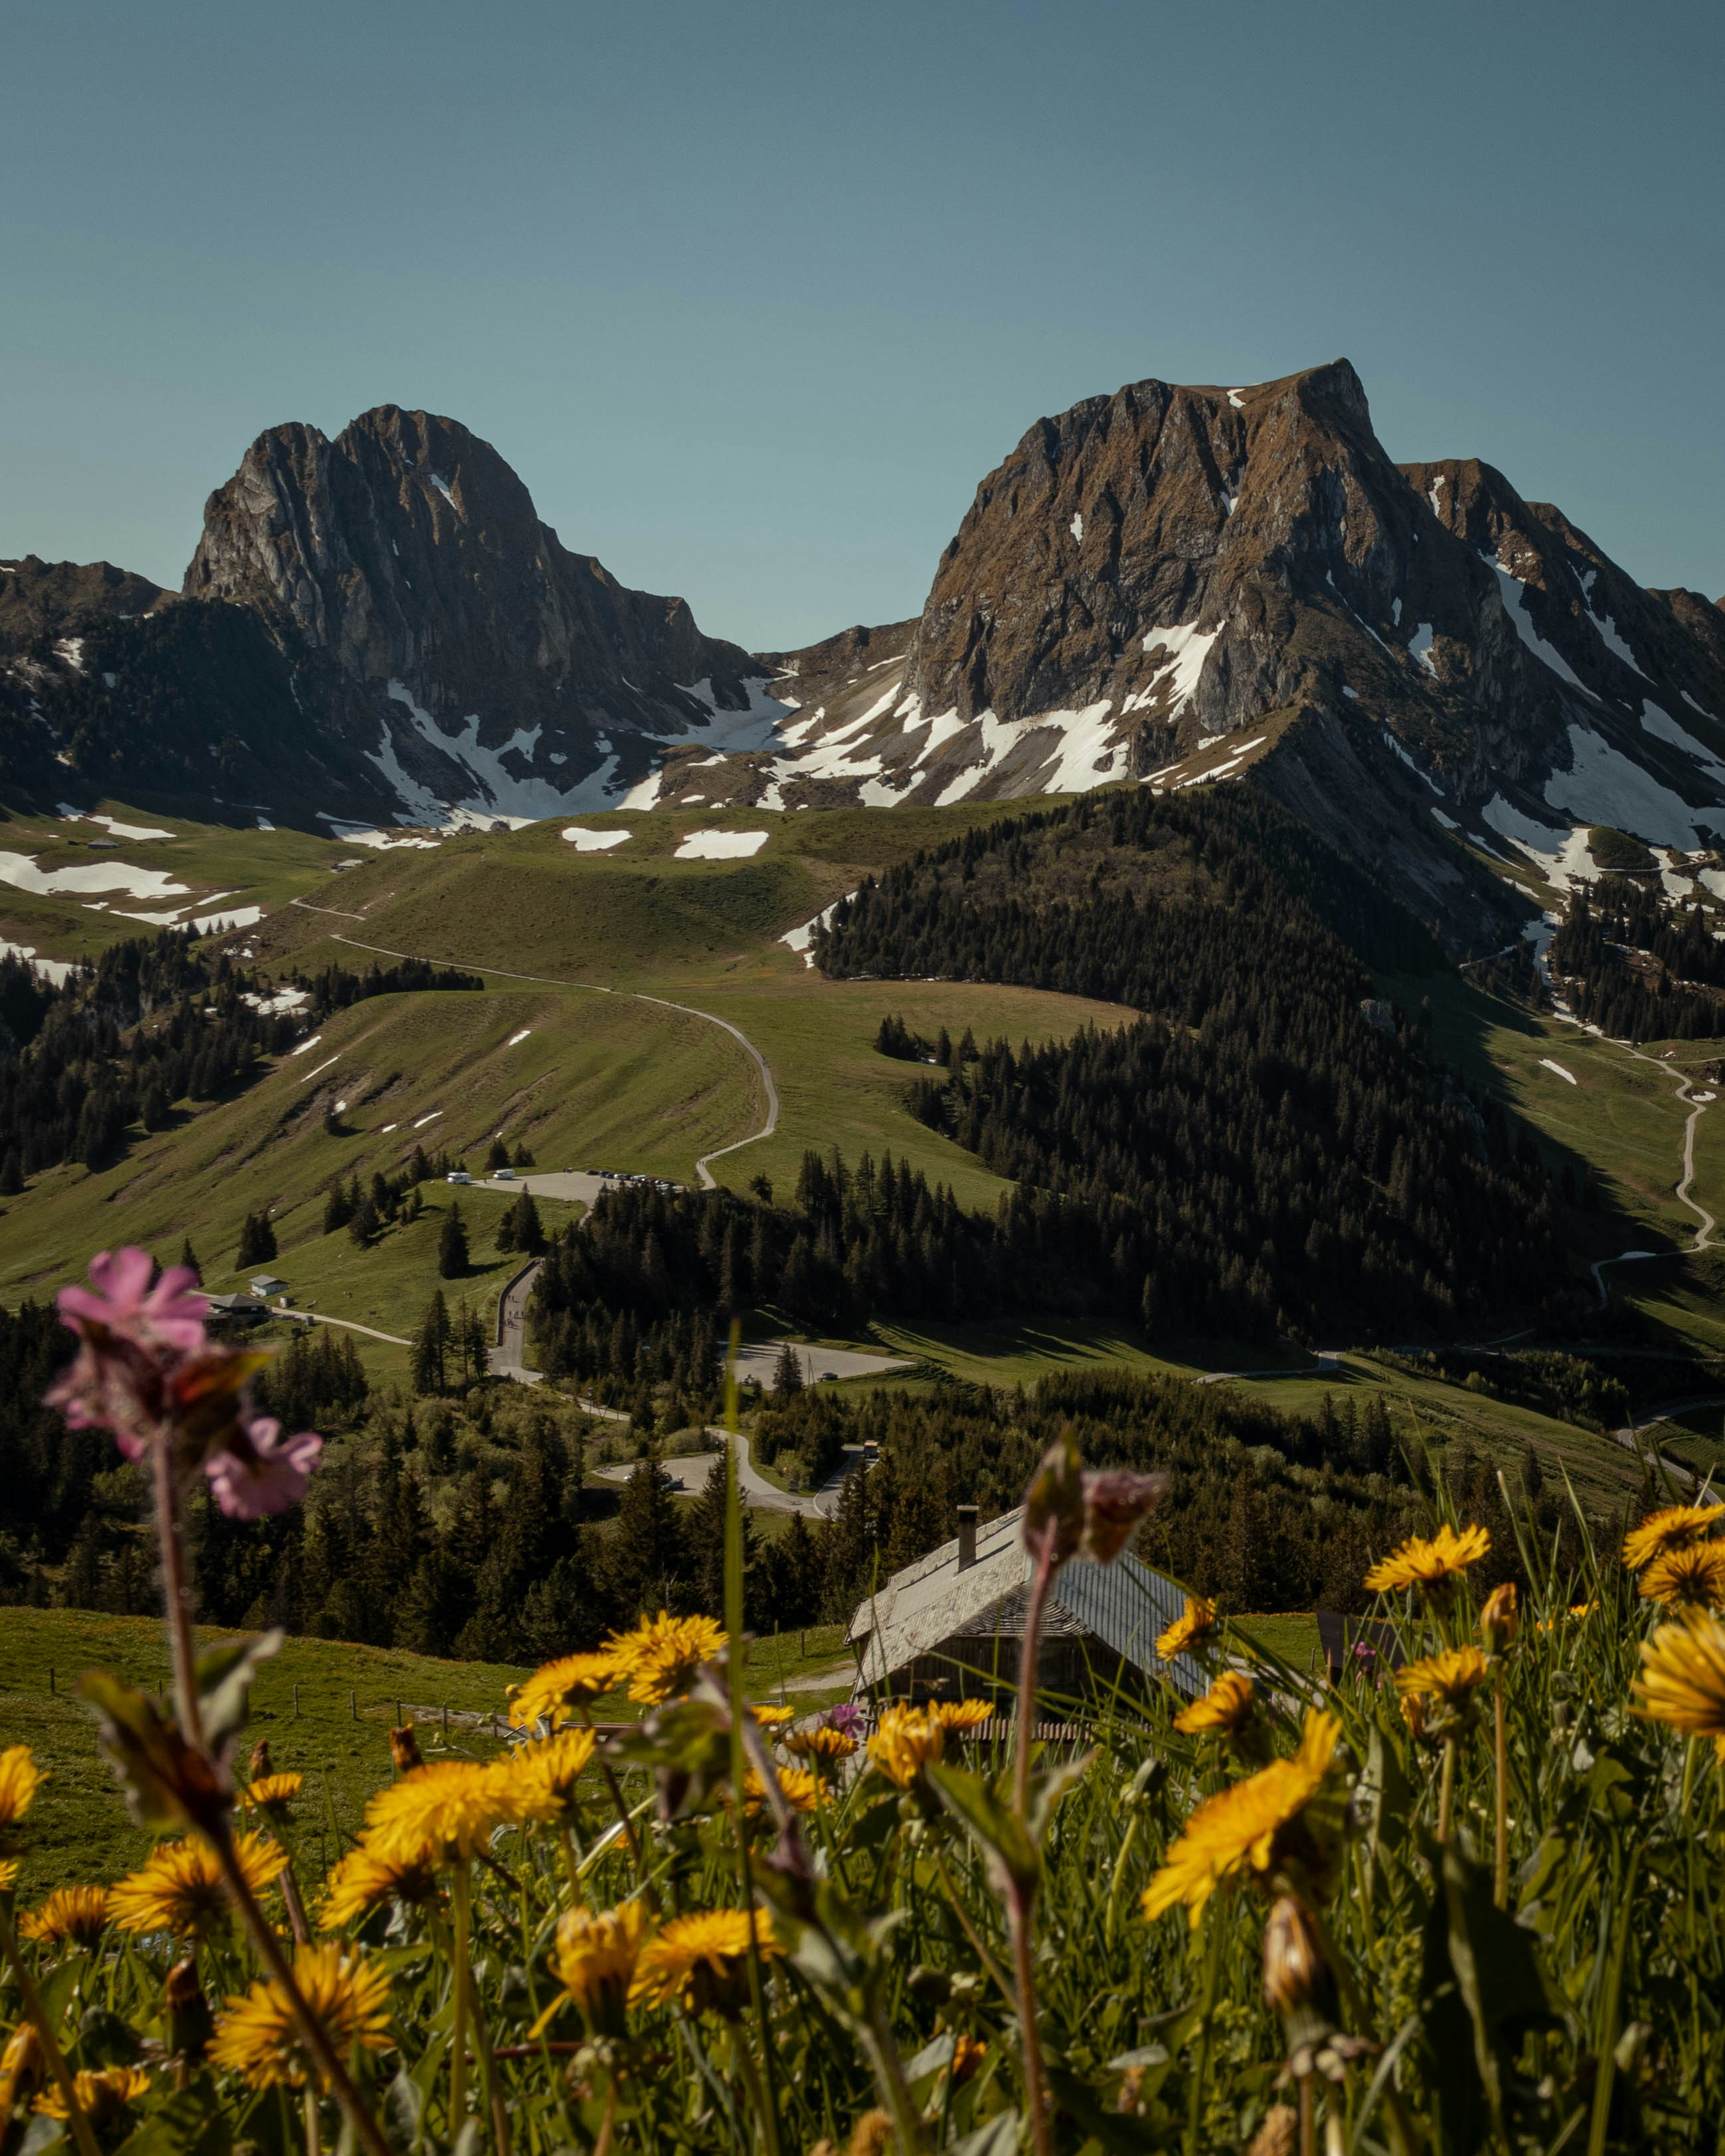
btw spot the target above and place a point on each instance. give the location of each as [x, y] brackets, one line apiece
[8, 1874]
[259, 2038]
[595, 1959]
[1691, 1576]
[1194, 1625]
[179, 1888]
[557, 1689]
[825, 1746]
[660, 1657]
[1450, 1678]
[907, 1741]
[20, 1778]
[21, 2068]
[101, 2097]
[544, 1775]
[700, 1959]
[269, 1792]
[1430, 1565]
[801, 1787]
[969, 2053]
[1224, 1710]
[74, 1915]
[961, 1717]
[773, 1717]
[1253, 1828]
[1682, 1680]
[364, 1879]
[1673, 1527]
[437, 1814]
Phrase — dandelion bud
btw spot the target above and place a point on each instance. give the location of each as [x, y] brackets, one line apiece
[190, 2023]
[258, 1764]
[1115, 1501]
[404, 1749]
[1054, 1503]
[21, 2069]
[1500, 1621]
[1294, 1967]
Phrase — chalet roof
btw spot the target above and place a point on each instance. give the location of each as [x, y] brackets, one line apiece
[1125, 1606]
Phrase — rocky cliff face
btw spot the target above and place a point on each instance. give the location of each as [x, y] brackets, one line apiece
[1184, 585]
[1172, 585]
[403, 570]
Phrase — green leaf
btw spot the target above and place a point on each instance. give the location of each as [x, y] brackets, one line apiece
[168, 1782]
[997, 1830]
[1049, 1787]
[999, 2137]
[190, 2123]
[224, 1677]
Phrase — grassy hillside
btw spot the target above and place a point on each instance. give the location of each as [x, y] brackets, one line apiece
[326, 1706]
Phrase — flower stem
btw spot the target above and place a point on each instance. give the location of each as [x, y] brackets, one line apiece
[175, 1587]
[977, 1944]
[1446, 1790]
[1021, 1897]
[462, 1897]
[1500, 1762]
[315, 2036]
[82, 2131]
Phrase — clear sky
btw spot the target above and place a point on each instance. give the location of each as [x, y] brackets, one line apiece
[753, 296]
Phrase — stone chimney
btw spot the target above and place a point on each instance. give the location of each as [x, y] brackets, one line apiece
[967, 1536]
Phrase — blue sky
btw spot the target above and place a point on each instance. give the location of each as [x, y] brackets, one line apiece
[754, 295]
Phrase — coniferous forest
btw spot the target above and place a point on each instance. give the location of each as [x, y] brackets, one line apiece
[1638, 968]
[156, 1020]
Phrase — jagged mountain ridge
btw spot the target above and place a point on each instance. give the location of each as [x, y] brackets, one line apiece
[1182, 584]
[1175, 584]
[376, 626]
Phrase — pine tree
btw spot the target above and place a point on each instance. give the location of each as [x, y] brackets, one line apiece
[431, 1347]
[788, 1372]
[452, 1259]
[704, 1531]
[188, 1258]
[498, 1157]
[257, 1241]
[643, 1559]
[365, 1224]
[337, 1212]
[11, 1173]
[526, 1233]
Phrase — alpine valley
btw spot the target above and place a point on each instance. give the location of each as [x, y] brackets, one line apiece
[1261, 921]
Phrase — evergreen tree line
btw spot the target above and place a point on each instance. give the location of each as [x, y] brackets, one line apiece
[1606, 928]
[462, 1528]
[1274, 1149]
[154, 1020]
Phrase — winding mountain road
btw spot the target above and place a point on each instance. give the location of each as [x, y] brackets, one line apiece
[1699, 1103]
[703, 1174]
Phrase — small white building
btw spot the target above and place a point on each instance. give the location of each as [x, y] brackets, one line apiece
[953, 1625]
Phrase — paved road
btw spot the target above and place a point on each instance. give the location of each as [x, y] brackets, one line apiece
[598, 989]
[691, 1469]
[509, 1355]
[759, 1358]
[347, 1324]
[573, 1186]
[1698, 1102]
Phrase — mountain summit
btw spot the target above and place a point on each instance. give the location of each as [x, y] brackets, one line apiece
[1175, 585]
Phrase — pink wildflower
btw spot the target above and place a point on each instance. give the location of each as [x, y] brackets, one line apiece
[171, 1314]
[265, 1472]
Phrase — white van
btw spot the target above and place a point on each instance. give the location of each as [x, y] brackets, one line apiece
[458, 1175]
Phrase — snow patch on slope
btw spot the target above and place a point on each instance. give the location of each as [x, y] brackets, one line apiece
[1604, 786]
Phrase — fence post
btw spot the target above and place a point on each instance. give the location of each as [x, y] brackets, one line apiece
[296, 1701]
[446, 1722]
[397, 1714]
